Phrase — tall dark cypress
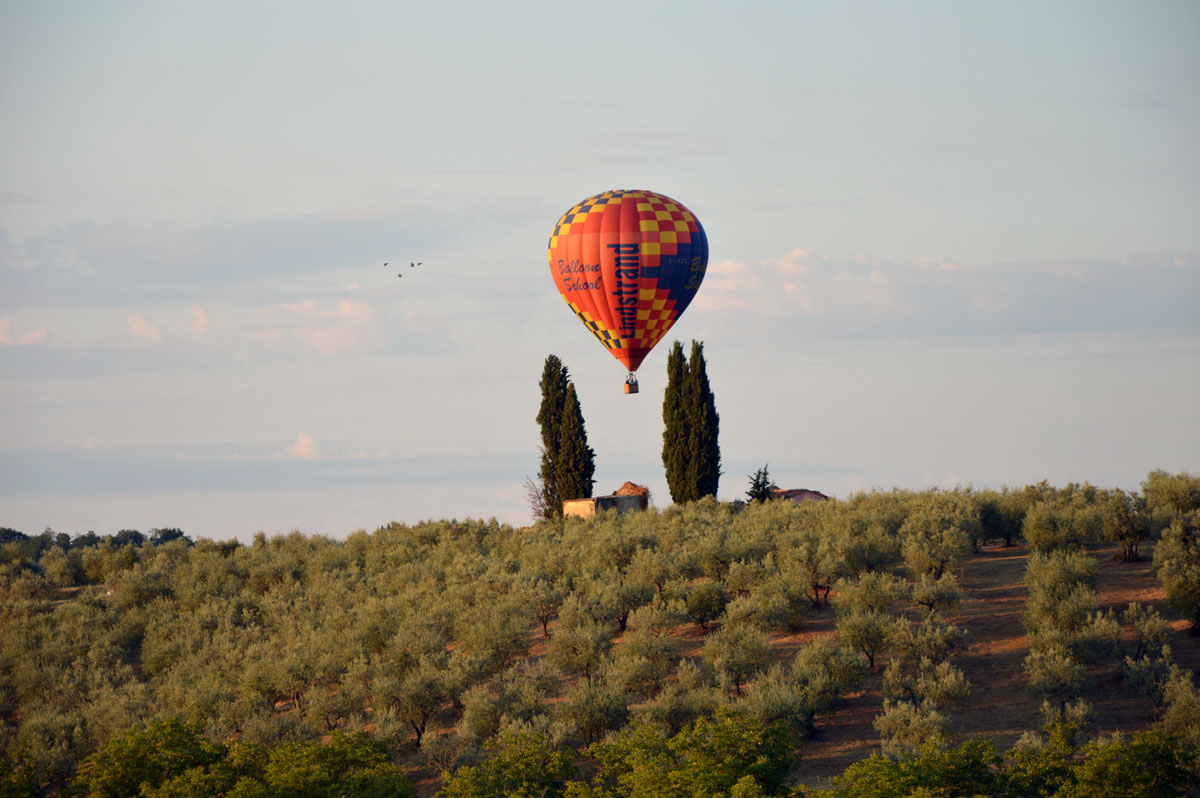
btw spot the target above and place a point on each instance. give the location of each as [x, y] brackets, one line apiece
[550, 416]
[675, 426]
[701, 407]
[576, 460]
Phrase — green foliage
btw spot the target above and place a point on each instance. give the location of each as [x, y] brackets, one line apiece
[936, 594]
[938, 532]
[147, 757]
[920, 672]
[1149, 673]
[523, 765]
[778, 603]
[1059, 590]
[905, 727]
[1150, 764]
[1177, 565]
[675, 427]
[424, 631]
[1097, 640]
[761, 485]
[643, 661]
[160, 536]
[576, 461]
[691, 453]
[812, 685]
[553, 384]
[580, 648]
[1067, 519]
[1001, 514]
[1181, 699]
[545, 597]
[497, 632]
[61, 567]
[875, 590]
[932, 639]
[352, 764]
[824, 670]
[868, 631]
[814, 556]
[590, 709]
[1039, 765]
[968, 770]
[1053, 672]
[736, 653]
[1170, 497]
[169, 759]
[1150, 630]
[706, 602]
[417, 696]
[1123, 523]
[701, 408]
[722, 756]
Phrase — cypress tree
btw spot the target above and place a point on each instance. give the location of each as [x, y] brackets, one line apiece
[691, 454]
[550, 416]
[576, 460]
[701, 408]
[675, 429]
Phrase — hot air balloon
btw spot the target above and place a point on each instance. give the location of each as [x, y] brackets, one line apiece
[628, 263]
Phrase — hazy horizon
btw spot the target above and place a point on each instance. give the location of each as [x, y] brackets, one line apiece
[950, 245]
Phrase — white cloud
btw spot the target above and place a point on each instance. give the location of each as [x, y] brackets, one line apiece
[199, 320]
[860, 294]
[141, 327]
[304, 448]
[798, 261]
[939, 264]
[33, 337]
[347, 325]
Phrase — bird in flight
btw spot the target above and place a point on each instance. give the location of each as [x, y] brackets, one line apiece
[411, 265]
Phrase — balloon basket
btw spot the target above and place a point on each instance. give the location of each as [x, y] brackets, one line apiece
[631, 383]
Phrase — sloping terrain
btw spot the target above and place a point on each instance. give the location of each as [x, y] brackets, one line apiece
[1001, 706]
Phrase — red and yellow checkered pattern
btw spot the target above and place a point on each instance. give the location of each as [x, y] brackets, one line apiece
[656, 314]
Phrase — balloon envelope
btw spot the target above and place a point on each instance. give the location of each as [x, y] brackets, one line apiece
[628, 263]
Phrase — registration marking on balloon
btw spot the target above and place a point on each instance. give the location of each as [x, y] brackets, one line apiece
[628, 263]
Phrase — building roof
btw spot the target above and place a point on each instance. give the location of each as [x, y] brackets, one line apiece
[799, 494]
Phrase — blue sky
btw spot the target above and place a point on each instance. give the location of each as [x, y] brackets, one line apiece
[950, 243]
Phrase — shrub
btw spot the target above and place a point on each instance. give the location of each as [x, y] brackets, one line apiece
[736, 653]
[706, 602]
[518, 764]
[1177, 564]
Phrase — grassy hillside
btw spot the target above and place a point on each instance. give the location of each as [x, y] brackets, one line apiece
[890, 621]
